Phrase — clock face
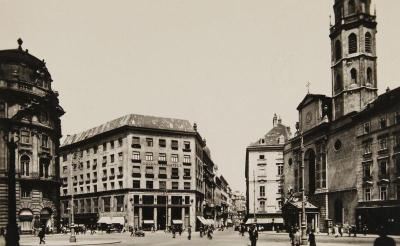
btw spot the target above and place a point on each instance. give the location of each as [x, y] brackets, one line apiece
[308, 117]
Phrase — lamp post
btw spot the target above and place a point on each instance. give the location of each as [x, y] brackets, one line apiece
[254, 200]
[12, 236]
[303, 198]
[166, 208]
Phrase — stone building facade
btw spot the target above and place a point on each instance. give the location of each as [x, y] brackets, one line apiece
[264, 180]
[330, 141]
[140, 171]
[26, 83]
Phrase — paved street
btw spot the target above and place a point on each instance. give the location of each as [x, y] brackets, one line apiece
[220, 238]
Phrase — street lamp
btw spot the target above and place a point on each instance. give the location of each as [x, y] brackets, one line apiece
[303, 197]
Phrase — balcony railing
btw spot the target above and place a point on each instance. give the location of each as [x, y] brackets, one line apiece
[94, 180]
[136, 175]
[187, 177]
[87, 181]
[149, 175]
[174, 176]
[136, 160]
[137, 146]
[162, 162]
[120, 175]
[104, 178]
[186, 150]
[112, 177]
[187, 163]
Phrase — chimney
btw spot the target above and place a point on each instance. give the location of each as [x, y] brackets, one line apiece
[274, 120]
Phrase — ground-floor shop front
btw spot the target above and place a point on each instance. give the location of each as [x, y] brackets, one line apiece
[375, 215]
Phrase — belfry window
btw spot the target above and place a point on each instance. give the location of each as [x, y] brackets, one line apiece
[353, 74]
[338, 50]
[352, 43]
[369, 76]
[368, 42]
[338, 82]
[351, 7]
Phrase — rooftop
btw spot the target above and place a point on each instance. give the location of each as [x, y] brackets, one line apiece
[132, 120]
[278, 135]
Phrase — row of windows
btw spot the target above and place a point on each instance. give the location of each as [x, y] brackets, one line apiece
[354, 78]
[26, 138]
[161, 157]
[382, 143]
[136, 143]
[137, 184]
[162, 171]
[383, 168]
[382, 122]
[262, 171]
[353, 45]
[26, 169]
[80, 153]
[383, 192]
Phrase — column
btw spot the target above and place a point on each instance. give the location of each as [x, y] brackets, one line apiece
[169, 216]
[155, 218]
[140, 218]
[183, 216]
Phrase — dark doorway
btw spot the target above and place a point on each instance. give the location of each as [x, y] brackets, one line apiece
[161, 218]
[338, 213]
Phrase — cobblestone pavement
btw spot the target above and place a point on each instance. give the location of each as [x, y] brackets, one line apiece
[220, 239]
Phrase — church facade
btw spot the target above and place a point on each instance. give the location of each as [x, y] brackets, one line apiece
[345, 150]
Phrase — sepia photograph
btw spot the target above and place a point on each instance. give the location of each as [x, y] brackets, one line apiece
[200, 122]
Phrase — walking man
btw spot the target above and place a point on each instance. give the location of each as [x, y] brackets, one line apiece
[311, 238]
[189, 233]
[253, 234]
[41, 236]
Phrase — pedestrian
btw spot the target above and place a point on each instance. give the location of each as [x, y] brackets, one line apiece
[180, 230]
[291, 235]
[311, 238]
[383, 239]
[336, 228]
[41, 236]
[340, 231]
[365, 230]
[201, 231]
[297, 238]
[253, 235]
[131, 231]
[209, 233]
[173, 232]
[189, 233]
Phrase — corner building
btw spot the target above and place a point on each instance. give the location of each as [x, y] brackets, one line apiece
[264, 180]
[139, 171]
[25, 83]
[347, 143]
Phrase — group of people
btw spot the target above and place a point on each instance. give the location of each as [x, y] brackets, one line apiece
[295, 236]
[207, 229]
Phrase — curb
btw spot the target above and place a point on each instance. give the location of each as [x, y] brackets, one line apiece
[74, 244]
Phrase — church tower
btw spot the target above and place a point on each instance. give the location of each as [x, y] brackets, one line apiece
[353, 42]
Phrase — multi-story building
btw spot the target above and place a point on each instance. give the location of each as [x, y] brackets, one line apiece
[344, 153]
[238, 206]
[264, 180]
[140, 171]
[25, 86]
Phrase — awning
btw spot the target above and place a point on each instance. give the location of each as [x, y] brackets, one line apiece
[202, 220]
[111, 220]
[210, 222]
[148, 221]
[177, 222]
[228, 221]
[25, 215]
[278, 220]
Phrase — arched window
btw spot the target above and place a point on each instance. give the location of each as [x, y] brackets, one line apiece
[369, 76]
[25, 160]
[353, 74]
[368, 42]
[351, 7]
[338, 50]
[44, 168]
[352, 43]
[338, 82]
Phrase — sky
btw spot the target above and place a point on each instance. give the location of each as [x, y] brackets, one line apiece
[227, 65]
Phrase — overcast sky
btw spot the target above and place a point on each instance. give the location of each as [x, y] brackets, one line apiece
[228, 65]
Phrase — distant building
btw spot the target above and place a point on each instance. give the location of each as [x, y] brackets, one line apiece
[238, 206]
[140, 171]
[264, 176]
[24, 81]
[347, 143]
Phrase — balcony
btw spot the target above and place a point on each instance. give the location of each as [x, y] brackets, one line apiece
[136, 161]
[136, 175]
[174, 147]
[104, 178]
[187, 163]
[119, 176]
[367, 155]
[112, 177]
[87, 181]
[187, 177]
[186, 150]
[367, 178]
[136, 146]
[162, 162]
[162, 176]
[75, 183]
[383, 151]
[94, 180]
[81, 182]
[149, 175]
[174, 176]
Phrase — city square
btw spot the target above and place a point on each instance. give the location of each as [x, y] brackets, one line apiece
[170, 122]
